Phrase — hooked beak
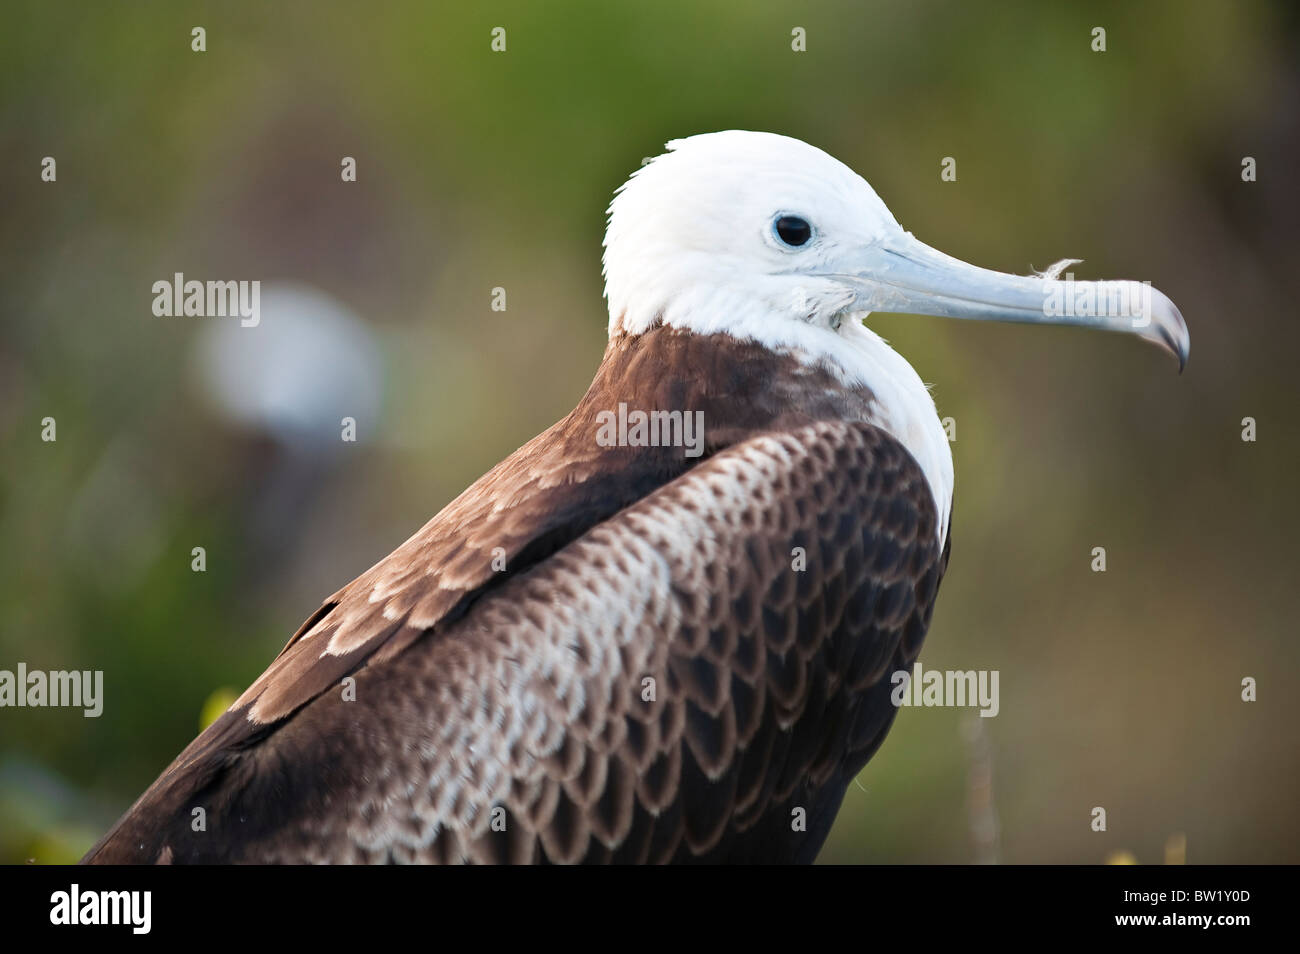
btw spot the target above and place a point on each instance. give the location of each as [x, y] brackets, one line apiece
[900, 274]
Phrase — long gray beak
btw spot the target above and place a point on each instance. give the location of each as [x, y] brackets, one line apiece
[900, 274]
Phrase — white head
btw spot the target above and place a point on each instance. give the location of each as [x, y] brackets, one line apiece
[769, 239]
[694, 232]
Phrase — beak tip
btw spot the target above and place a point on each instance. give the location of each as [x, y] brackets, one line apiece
[1179, 348]
[1173, 332]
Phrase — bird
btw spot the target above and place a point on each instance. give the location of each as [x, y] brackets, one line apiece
[663, 630]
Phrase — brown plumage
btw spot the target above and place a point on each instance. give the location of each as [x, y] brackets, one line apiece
[653, 676]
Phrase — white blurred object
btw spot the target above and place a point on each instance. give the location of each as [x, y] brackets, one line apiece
[309, 363]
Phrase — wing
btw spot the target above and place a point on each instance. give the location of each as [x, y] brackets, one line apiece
[674, 676]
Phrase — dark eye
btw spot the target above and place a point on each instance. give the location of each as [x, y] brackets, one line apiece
[793, 230]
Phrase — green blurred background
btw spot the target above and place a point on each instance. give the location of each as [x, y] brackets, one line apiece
[479, 169]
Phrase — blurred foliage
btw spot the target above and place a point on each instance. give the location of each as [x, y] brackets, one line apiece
[479, 170]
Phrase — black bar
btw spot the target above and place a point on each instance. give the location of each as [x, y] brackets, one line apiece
[232, 905]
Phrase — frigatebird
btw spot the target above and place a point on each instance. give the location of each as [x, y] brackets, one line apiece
[628, 642]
